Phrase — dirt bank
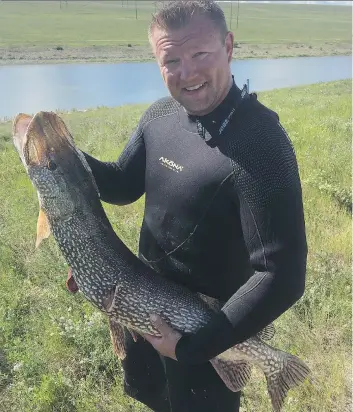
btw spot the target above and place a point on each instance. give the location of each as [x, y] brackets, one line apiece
[117, 54]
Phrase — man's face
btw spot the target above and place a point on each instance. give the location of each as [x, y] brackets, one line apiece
[194, 63]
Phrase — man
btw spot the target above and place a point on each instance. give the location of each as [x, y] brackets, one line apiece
[223, 211]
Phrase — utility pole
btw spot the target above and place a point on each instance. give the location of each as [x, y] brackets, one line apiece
[136, 9]
[231, 15]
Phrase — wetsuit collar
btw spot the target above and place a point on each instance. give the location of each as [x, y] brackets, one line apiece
[212, 125]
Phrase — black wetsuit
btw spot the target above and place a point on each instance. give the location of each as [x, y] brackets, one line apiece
[223, 216]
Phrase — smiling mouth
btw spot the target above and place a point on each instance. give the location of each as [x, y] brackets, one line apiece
[197, 87]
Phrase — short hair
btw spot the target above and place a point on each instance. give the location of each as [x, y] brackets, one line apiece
[176, 14]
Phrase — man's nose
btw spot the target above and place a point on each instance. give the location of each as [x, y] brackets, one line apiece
[187, 70]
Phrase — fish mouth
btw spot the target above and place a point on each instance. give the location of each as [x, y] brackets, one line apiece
[37, 138]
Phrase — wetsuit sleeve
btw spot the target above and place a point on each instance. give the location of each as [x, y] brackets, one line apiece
[122, 182]
[267, 190]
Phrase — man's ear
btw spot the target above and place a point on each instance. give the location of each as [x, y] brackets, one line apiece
[229, 42]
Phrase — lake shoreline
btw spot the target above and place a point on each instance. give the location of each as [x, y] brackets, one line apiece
[80, 86]
[137, 53]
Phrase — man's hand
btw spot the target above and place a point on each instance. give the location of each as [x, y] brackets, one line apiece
[165, 344]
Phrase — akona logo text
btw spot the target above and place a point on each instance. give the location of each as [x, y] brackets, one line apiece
[170, 164]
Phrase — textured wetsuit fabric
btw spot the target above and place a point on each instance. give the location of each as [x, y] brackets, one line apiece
[223, 212]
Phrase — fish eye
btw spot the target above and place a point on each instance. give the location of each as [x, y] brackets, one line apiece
[51, 165]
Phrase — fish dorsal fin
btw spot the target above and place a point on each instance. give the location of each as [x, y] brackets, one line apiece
[235, 373]
[43, 228]
[267, 333]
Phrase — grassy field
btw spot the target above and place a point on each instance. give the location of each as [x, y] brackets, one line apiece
[57, 31]
[55, 351]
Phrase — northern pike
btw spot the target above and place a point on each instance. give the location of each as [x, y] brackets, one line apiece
[111, 276]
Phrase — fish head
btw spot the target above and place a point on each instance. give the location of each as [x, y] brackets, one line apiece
[57, 168]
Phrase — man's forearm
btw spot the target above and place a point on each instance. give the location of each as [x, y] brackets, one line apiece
[114, 184]
[258, 303]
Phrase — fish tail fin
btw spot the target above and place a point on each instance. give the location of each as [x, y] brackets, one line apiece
[293, 373]
[235, 374]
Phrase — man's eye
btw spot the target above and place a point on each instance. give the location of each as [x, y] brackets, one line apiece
[199, 54]
[171, 61]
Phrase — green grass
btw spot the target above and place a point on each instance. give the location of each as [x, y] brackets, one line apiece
[81, 24]
[108, 23]
[55, 351]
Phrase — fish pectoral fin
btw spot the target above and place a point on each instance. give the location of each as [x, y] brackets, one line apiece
[267, 333]
[117, 335]
[133, 334]
[234, 373]
[71, 284]
[279, 382]
[43, 228]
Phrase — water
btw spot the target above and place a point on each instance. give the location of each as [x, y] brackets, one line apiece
[31, 88]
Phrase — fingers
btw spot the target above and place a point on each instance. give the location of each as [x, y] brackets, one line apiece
[166, 343]
[153, 340]
[160, 324]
